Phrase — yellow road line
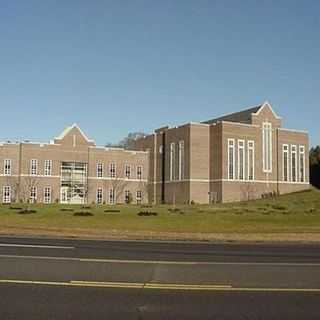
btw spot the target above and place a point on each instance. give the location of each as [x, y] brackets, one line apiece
[158, 286]
[248, 263]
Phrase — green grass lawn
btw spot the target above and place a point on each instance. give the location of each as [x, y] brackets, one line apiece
[294, 213]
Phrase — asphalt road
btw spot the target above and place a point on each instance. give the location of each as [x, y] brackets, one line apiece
[81, 279]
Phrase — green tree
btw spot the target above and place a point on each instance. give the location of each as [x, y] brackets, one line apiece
[315, 166]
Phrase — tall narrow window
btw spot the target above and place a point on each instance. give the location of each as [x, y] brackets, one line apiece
[33, 167]
[33, 195]
[6, 194]
[112, 170]
[99, 170]
[139, 196]
[127, 196]
[128, 171]
[172, 160]
[241, 159]
[111, 196]
[302, 164]
[181, 160]
[294, 163]
[99, 199]
[7, 167]
[139, 172]
[231, 164]
[285, 163]
[250, 160]
[267, 147]
[47, 167]
[47, 195]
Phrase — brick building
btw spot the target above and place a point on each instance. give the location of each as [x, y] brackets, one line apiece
[72, 169]
[236, 157]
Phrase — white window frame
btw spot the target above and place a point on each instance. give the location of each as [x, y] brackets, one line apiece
[267, 147]
[181, 160]
[113, 170]
[172, 160]
[47, 167]
[231, 145]
[294, 152]
[99, 196]
[251, 161]
[126, 196]
[46, 198]
[302, 153]
[241, 171]
[33, 194]
[139, 196]
[99, 170]
[285, 150]
[112, 196]
[33, 167]
[139, 172]
[6, 194]
[7, 165]
[127, 171]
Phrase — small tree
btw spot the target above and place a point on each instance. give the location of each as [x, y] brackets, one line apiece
[26, 186]
[119, 184]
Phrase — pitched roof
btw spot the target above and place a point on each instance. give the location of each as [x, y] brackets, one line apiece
[68, 129]
[241, 116]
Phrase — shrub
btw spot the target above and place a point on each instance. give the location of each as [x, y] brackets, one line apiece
[192, 202]
[27, 211]
[83, 213]
[147, 213]
[66, 209]
[15, 208]
[112, 210]
[174, 210]
[278, 207]
[85, 207]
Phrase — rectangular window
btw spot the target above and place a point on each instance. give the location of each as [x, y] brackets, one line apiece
[127, 196]
[241, 159]
[7, 167]
[267, 147]
[302, 164]
[47, 167]
[128, 171]
[172, 160]
[112, 170]
[111, 196]
[139, 197]
[231, 164]
[181, 160]
[139, 172]
[293, 163]
[33, 195]
[99, 170]
[285, 163]
[6, 194]
[250, 160]
[33, 167]
[47, 195]
[99, 199]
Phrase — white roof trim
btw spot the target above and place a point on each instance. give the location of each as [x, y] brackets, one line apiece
[266, 104]
[68, 129]
[294, 130]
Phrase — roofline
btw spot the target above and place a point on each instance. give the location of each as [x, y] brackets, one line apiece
[266, 103]
[68, 129]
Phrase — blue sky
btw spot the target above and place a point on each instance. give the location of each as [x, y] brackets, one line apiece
[120, 66]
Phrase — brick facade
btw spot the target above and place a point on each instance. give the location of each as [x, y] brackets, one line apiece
[236, 157]
[206, 160]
